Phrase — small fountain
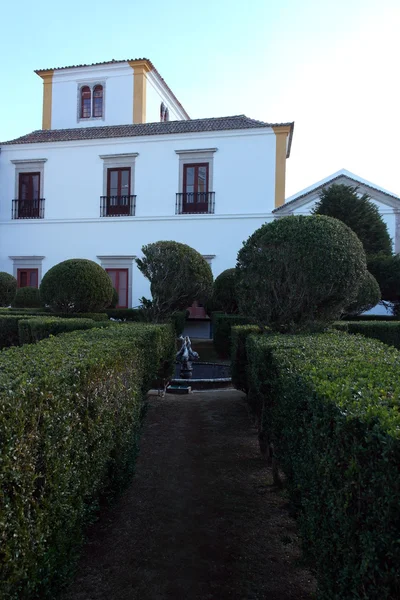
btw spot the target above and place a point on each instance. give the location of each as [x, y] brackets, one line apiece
[200, 376]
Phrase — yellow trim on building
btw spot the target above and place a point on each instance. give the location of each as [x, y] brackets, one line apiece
[47, 77]
[140, 68]
[281, 134]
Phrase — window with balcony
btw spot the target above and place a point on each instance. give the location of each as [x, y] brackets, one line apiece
[119, 278]
[118, 199]
[28, 205]
[27, 277]
[196, 195]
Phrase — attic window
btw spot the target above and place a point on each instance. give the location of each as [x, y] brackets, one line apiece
[98, 101]
[91, 101]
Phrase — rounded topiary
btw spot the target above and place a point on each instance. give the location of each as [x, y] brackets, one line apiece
[76, 285]
[299, 272]
[115, 299]
[224, 297]
[369, 294]
[27, 297]
[8, 287]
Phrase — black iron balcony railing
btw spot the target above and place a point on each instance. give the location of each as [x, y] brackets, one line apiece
[117, 206]
[28, 209]
[195, 203]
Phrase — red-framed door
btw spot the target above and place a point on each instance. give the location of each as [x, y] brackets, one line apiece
[28, 278]
[120, 278]
[28, 195]
[195, 188]
[118, 191]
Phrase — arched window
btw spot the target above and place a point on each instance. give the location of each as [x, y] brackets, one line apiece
[98, 101]
[85, 102]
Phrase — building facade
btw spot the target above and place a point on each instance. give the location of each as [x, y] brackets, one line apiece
[118, 164]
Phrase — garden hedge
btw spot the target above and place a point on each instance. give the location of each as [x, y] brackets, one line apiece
[70, 414]
[27, 297]
[38, 328]
[8, 287]
[137, 315]
[387, 332]
[9, 335]
[222, 325]
[330, 406]
[239, 334]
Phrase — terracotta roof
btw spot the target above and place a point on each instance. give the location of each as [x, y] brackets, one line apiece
[327, 182]
[145, 129]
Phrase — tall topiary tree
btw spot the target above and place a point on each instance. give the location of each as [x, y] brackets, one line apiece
[369, 294]
[359, 213]
[76, 285]
[8, 287]
[178, 275]
[224, 296]
[299, 272]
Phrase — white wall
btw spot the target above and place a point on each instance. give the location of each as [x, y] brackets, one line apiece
[244, 184]
[118, 95]
[154, 96]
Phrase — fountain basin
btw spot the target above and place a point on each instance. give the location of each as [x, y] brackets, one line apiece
[205, 375]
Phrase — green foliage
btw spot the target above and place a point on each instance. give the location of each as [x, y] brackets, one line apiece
[178, 275]
[387, 332]
[299, 272]
[27, 297]
[76, 285]
[222, 325]
[369, 294]
[38, 328]
[70, 415]
[138, 315]
[93, 316]
[386, 270]
[224, 296]
[239, 336]
[330, 407]
[360, 214]
[9, 335]
[8, 287]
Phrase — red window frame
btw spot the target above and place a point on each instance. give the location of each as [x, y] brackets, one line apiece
[121, 206]
[118, 271]
[191, 203]
[28, 202]
[97, 101]
[24, 276]
[86, 94]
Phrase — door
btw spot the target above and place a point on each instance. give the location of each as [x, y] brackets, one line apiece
[28, 195]
[27, 278]
[119, 278]
[118, 191]
[195, 188]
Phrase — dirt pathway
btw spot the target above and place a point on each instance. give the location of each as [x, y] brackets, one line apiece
[201, 520]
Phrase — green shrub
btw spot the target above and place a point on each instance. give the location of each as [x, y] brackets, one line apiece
[386, 270]
[330, 407]
[387, 332]
[222, 325]
[70, 414]
[369, 294]
[76, 286]
[93, 316]
[9, 335]
[239, 336]
[137, 315]
[224, 296]
[8, 287]
[299, 272]
[38, 328]
[27, 297]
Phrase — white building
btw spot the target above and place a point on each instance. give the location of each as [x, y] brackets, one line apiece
[118, 164]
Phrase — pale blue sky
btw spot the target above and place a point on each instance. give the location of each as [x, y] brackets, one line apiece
[331, 66]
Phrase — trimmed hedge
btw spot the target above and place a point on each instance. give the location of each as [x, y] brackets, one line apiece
[70, 414]
[222, 325]
[38, 328]
[8, 287]
[239, 336]
[94, 316]
[136, 315]
[330, 405]
[387, 332]
[9, 335]
[27, 297]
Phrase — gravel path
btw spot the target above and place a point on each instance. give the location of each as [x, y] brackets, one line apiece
[200, 520]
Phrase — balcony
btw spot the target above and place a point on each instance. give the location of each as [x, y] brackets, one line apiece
[117, 206]
[195, 203]
[28, 209]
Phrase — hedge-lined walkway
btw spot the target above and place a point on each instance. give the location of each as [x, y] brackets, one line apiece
[201, 520]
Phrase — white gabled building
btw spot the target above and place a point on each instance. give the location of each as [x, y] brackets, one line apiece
[118, 163]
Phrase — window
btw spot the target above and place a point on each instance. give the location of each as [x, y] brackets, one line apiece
[27, 277]
[164, 112]
[195, 188]
[98, 101]
[28, 195]
[119, 278]
[118, 191]
[86, 102]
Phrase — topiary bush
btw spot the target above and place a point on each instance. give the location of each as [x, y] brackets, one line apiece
[224, 296]
[8, 287]
[76, 285]
[27, 297]
[299, 272]
[222, 326]
[369, 294]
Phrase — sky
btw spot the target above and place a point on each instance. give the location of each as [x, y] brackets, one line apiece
[331, 66]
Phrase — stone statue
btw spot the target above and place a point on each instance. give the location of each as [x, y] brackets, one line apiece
[185, 356]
